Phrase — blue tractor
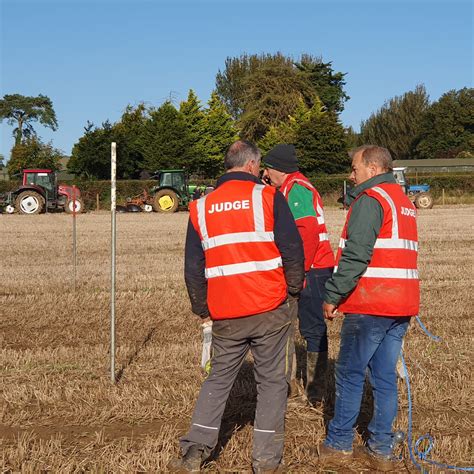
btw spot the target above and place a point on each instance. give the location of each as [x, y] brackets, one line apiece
[419, 194]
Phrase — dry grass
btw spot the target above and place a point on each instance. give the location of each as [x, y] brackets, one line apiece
[59, 412]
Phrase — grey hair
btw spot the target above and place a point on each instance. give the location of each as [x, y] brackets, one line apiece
[373, 154]
[240, 153]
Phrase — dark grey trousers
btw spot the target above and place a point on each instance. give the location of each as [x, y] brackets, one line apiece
[267, 335]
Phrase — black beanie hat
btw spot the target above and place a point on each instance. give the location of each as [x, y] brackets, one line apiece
[282, 158]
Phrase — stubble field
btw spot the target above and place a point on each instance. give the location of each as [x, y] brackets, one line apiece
[60, 413]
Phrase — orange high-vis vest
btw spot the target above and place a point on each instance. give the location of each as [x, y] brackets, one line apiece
[324, 257]
[243, 264]
[390, 285]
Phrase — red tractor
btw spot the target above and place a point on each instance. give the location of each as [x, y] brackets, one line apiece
[40, 192]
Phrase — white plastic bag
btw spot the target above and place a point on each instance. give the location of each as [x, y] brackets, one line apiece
[206, 345]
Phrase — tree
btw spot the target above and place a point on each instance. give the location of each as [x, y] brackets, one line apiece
[272, 93]
[260, 91]
[90, 156]
[327, 84]
[447, 130]
[32, 153]
[166, 141]
[321, 144]
[21, 111]
[194, 118]
[219, 133]
[1, 161]
[397, 124]
[286, 131]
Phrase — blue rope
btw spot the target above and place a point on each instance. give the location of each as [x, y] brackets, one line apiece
[417, 451]
[430, 335]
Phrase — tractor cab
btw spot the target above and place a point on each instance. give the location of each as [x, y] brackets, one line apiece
[400, 178]
[46, 179]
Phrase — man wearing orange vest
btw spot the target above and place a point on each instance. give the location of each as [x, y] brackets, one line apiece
[243, 261]
[375, 285]
[281, 169]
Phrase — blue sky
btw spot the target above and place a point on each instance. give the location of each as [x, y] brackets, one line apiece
[92, 58]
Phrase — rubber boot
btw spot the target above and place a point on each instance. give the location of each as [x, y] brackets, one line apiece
[316, 368]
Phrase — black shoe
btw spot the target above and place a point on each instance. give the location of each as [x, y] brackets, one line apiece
[190, 462]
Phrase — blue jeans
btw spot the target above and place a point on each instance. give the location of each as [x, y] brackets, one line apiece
[372, 342]
[310, 310]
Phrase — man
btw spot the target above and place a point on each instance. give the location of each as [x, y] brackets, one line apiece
[281, 169]
[376, 286]
[243, 260]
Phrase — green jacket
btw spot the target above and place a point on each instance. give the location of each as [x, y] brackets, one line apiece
[362, 231]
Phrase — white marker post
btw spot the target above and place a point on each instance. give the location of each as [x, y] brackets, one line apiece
[74, 239]
[113, 205]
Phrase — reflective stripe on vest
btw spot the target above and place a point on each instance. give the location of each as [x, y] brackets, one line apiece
[323, 236]
[245, 267]
[259, 235]
[389, 244]
[400, 273]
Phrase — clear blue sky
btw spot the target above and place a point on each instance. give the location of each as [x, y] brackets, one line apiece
[92, 58]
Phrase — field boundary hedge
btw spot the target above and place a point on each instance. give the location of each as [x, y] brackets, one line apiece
[328, 186]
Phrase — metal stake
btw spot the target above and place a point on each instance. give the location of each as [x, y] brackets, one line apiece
[113, 204]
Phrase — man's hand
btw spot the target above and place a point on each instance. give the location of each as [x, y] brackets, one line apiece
[329, 311]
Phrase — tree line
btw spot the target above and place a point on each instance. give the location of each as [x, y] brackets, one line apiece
[265, 98]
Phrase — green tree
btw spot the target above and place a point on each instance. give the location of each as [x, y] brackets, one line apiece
[90, 156]
[447, 130]
[396, 126]
[21, 111]
[286, 131]
[219, 133]
[166, 141]
[129, 130]
[327, 84]
[2, 158]
[194, 118]
[260, 91]
[321, 144]
[32, 153]
[272, 93]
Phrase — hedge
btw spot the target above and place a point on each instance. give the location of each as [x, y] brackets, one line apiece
[328, 186]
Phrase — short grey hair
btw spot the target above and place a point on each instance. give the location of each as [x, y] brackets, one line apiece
[240, 153]
[373, 154]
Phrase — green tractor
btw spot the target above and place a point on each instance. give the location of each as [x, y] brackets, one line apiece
[173, 191]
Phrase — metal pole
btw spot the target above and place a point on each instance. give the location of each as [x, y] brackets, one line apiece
[443, 196]
[113, 204]
[74, 241]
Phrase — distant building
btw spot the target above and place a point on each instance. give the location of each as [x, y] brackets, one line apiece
[455, 165]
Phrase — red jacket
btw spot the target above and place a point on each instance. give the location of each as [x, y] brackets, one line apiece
[313, 231]
[390, 285]
[243, 265]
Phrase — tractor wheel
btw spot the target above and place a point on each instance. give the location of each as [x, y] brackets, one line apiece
[424, 201]
[69, 208]
[29, 202]
[165, 200]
